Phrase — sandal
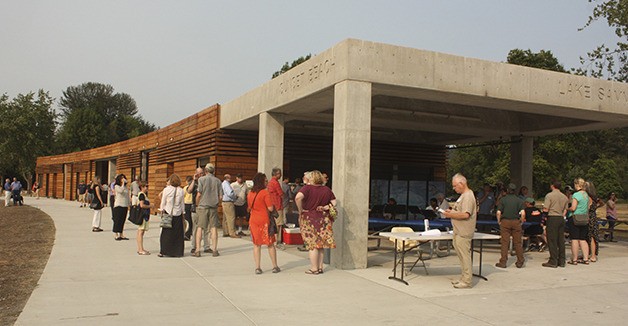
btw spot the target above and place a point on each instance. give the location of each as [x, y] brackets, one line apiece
[311, 272]
[276, 269]
[593, 260]
[259, 271]
[581, 261]
[572, 262]
[143, 253]
[320, 271]
[160, 255]
[124, 238]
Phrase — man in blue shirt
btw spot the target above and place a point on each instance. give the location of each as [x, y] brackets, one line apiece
[16, 190]
[228, 208]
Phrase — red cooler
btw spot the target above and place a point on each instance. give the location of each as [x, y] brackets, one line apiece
[292, 236]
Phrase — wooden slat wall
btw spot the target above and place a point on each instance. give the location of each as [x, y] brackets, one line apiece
[176, 148]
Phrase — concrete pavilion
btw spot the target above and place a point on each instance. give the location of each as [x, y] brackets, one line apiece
[357, 91]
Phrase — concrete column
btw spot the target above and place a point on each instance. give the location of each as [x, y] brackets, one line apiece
[351, 170]
[270, 148]
[521, 162]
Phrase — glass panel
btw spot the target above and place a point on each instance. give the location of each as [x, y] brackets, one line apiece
[435, 187]
[379, 192]
[416, 200]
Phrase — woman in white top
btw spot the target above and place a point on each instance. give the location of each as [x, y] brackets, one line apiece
[171, 240]
[120, 207]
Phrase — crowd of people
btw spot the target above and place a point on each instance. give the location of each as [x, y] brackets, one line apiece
[569, 210]
[564, 209]
[192, 211]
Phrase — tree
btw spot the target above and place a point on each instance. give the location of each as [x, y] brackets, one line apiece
[294, 63]
[605, 175]
[27, 134]
[93, 116]
[543, 59]
[604, 61]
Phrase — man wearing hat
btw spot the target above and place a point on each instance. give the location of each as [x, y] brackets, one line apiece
[510, 225]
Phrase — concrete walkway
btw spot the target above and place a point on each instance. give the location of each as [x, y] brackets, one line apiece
[91, 279]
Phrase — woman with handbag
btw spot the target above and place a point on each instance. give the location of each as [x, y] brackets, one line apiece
[144, 206]
[578, 223]
[171, 238]
[96, 204]
[120, 207]
[316, 204]
[261, 223]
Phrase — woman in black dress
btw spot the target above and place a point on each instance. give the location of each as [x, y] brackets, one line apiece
[171, 240]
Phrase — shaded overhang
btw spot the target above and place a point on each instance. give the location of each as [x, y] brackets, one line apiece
[428, 97]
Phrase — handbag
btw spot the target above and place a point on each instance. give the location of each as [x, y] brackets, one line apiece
[166, 218]
[94, 205]
[134, 215]
[272, 215]
[580, 219]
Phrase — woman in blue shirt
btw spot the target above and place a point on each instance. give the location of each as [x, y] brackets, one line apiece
[579, 233]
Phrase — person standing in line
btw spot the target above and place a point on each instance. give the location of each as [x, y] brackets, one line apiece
[594, 228]
[316, 204]
[276, 197]
[193, 189]
[7, 192]
[509, 220]
[241, 191]
[555, 206]
[145, 207]
[98, 204]
[208, 197]
[580, 203]
[188, 201]
[121, 207]
[81, 190]
[135, 191]
[171, 242]
[259, 205]
[463, 215]
[285, 187]
[611, 215]
[112, 194]
[228, 208]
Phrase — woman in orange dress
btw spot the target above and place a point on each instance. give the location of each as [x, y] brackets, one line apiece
[259, 206]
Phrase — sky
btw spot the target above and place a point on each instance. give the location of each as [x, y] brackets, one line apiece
[176, 58]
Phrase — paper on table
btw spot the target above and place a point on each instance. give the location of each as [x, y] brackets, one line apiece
[431, 232]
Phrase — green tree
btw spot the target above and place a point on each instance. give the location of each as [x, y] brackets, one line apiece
[93, 115]
[28, 132]
[294, 63]
[605, 61]
[543, 59]
[605, 175]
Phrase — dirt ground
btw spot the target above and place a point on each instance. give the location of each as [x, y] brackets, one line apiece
[27, 235]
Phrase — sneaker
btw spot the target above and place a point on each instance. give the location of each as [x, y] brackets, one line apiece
[215, 253]
[240, 233]
[549, 265]
[208, 251]
[280, 246]
[461, 285]
[500, 265]
[519, 265]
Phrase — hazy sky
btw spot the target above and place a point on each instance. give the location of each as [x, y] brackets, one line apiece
[178, 57]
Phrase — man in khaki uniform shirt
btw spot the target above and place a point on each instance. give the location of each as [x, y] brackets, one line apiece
[556, 208]
[463, 217]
